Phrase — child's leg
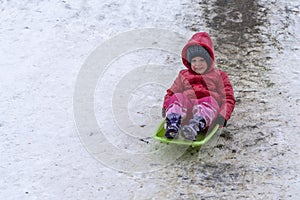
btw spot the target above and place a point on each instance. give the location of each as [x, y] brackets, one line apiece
[205, 111]
[208, 108]
[177, 110]
[179, 104]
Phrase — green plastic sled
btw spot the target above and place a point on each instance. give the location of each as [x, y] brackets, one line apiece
[200, 140]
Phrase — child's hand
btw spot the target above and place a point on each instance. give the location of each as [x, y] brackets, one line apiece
[163, 112]
[221, 121]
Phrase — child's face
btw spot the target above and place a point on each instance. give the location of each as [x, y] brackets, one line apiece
[199, 65]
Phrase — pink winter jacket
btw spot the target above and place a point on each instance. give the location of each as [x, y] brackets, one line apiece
[213, 82]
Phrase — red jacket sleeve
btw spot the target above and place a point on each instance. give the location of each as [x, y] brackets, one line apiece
[176, 87]
[228, 100]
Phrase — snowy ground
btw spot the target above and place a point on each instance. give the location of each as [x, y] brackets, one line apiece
[57, 144]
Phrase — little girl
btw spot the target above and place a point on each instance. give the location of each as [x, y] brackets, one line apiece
[200, 94]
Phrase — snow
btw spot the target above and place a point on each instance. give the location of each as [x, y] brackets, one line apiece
[44, 45]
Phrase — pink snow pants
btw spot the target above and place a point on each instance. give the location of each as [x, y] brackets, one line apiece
[206, 107]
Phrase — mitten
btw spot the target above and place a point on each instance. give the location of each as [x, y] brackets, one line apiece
[163, 112]
[221, 121]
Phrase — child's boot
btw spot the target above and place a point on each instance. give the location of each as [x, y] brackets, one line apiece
[173, 122]
[196, 125]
